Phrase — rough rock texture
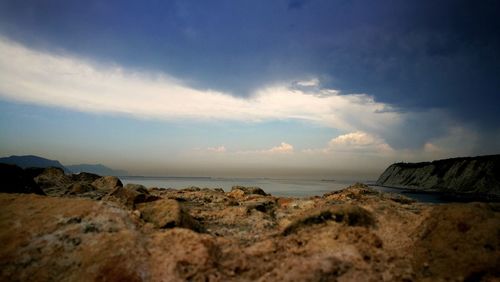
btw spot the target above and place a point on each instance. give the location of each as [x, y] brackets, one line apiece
[130, 195]
[167, 213]
[464, 175]
[53, 181]
[107, 183]
[356, 234]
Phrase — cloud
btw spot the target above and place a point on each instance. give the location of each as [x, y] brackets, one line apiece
[282, 148]
[219, 149]
[308, 83]
[358, 141]
[66, 81]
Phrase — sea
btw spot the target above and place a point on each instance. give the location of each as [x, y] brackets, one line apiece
[275, 187]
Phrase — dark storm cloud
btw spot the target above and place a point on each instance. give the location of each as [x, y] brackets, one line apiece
[411, 54]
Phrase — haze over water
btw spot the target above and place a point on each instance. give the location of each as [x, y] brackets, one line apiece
[275, 187]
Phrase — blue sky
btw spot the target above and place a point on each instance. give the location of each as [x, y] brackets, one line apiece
[249, 88]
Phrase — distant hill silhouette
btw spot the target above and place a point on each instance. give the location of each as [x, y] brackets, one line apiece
[32, 161]
[97, 169]
[36, 161]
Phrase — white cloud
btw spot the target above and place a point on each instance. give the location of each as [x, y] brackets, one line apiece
[219, 149]
[282, 148]
[70, 82]
[308, 83]
[357, 138]
[359, 141]
[66, 81]
[354, 142]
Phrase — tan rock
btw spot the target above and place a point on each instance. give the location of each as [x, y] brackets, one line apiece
[107, 183]
[167, 213]
[53, 181]
[458, 240]
[130, 195]
[248, 190]
[70, 239]
[348, 214]
[351, 235]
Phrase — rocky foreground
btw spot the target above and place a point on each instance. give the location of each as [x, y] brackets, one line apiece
[91, 228]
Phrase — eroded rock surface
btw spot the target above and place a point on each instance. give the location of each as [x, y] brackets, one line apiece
[138, 234]
[471, 175]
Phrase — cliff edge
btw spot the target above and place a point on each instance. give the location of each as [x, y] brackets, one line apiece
[479, 175]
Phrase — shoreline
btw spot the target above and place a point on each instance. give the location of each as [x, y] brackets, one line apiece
[447, 196]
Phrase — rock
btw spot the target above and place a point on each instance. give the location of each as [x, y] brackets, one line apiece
[180, 254]
[79, 188]
[130, 195]
[68, 239]
[263, 204]
[315, 268]
[350, 215]
[107, 183]
[191, 189]
[239, 191]
[479, 175]
[15, 180]
[84, 177]
[137, 187]
[357, 191]
[167, 213]
[351, 235]
[53, 181]
[464, 236]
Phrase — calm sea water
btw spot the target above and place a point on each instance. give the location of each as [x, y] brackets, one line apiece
[276, 187]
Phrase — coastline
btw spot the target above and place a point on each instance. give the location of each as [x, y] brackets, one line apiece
[451, 196]
[88, 227]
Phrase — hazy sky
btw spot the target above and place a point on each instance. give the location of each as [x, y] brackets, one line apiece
[249, 88]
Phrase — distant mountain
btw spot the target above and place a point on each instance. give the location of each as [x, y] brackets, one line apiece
[32, 161]
[35, 161]
[97, 169]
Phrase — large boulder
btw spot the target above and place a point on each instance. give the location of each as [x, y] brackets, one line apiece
[80, 188]
[242, 191]
[167, 213]
[69, 239]
[15, 180]
[53, 181]
[84, 177]
[131, 195]
[107, 183]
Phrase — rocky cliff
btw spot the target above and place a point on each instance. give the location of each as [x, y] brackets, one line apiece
[462, 175]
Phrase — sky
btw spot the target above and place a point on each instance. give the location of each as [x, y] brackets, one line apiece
[286, 88]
